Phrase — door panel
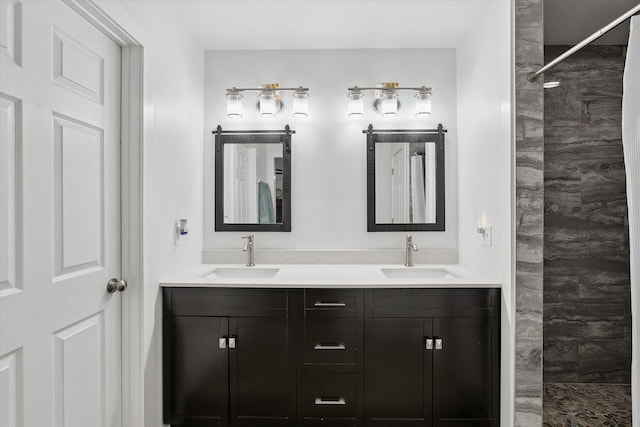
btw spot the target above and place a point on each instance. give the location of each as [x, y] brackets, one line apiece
[262, 372]
[78, 199]
[77, 67]
[60, 94]
[79, 373]
[9, 190]
[463, 372]
[10, 37]
[197, 370]
[10, 383]
[397, 372]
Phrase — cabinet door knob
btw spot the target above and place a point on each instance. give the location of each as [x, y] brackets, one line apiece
[232, 342]
[438, 343]
[222, 342]
[429, 343]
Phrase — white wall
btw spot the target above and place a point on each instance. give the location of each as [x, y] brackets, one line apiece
[485, 183]
[172, 141]
[329, 188]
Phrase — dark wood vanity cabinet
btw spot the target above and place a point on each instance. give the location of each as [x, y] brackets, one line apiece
[332, 357]
[229, 358]
[432, 357]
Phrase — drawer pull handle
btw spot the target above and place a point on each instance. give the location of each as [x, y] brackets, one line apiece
[339, 346]
[329, 304]
[330, 401]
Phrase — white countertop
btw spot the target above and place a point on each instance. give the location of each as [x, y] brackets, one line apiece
[331, 276]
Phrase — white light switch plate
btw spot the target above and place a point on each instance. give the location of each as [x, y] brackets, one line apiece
[486, 237]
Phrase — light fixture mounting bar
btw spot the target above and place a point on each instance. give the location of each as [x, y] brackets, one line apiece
[397, 89]
[280, 89]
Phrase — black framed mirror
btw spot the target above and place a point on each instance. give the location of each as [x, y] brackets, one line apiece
[405, 180]
[253, 180]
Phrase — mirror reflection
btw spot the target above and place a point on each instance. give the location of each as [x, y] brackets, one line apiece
[253, 180]
[253, 184]
[405, 182]
[405, 179]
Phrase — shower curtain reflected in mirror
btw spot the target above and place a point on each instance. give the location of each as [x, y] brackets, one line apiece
[631, 144]
[418, 203]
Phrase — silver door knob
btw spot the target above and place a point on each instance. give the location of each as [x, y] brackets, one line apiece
[114, 285]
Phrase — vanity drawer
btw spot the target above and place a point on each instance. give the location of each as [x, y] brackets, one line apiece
[335, 342]
[226, 302]
[433, 302]
[327, 396]
[333, 302]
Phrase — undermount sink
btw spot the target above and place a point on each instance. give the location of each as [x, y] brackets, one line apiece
[417, 273]
[243, 273]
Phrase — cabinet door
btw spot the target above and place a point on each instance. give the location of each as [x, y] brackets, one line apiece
[397, 372]
[195, 371]
[466, 372]
[263, 372]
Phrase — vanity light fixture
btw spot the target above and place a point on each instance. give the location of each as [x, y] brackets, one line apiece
[269, 103]
[356, 103]
[234, 104]
[300, 103]
[269, 100]
[386, 102]
[423, 102]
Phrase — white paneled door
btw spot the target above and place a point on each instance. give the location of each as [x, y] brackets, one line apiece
[60, 330]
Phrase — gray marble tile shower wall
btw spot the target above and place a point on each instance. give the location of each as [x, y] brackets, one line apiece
[529, 197]
[587, 311]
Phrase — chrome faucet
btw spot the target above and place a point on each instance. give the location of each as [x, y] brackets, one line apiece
[248, 248]
[410, 249]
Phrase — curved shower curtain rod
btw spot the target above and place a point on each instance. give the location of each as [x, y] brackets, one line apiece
[532, 77]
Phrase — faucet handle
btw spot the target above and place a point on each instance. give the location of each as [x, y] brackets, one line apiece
[410, 243]
[249, 237]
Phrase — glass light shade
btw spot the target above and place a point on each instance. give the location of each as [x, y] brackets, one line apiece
[234, 106]
[356, 105]
[389, 104]
[268, 104]
[300, 104]
[423, 105]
